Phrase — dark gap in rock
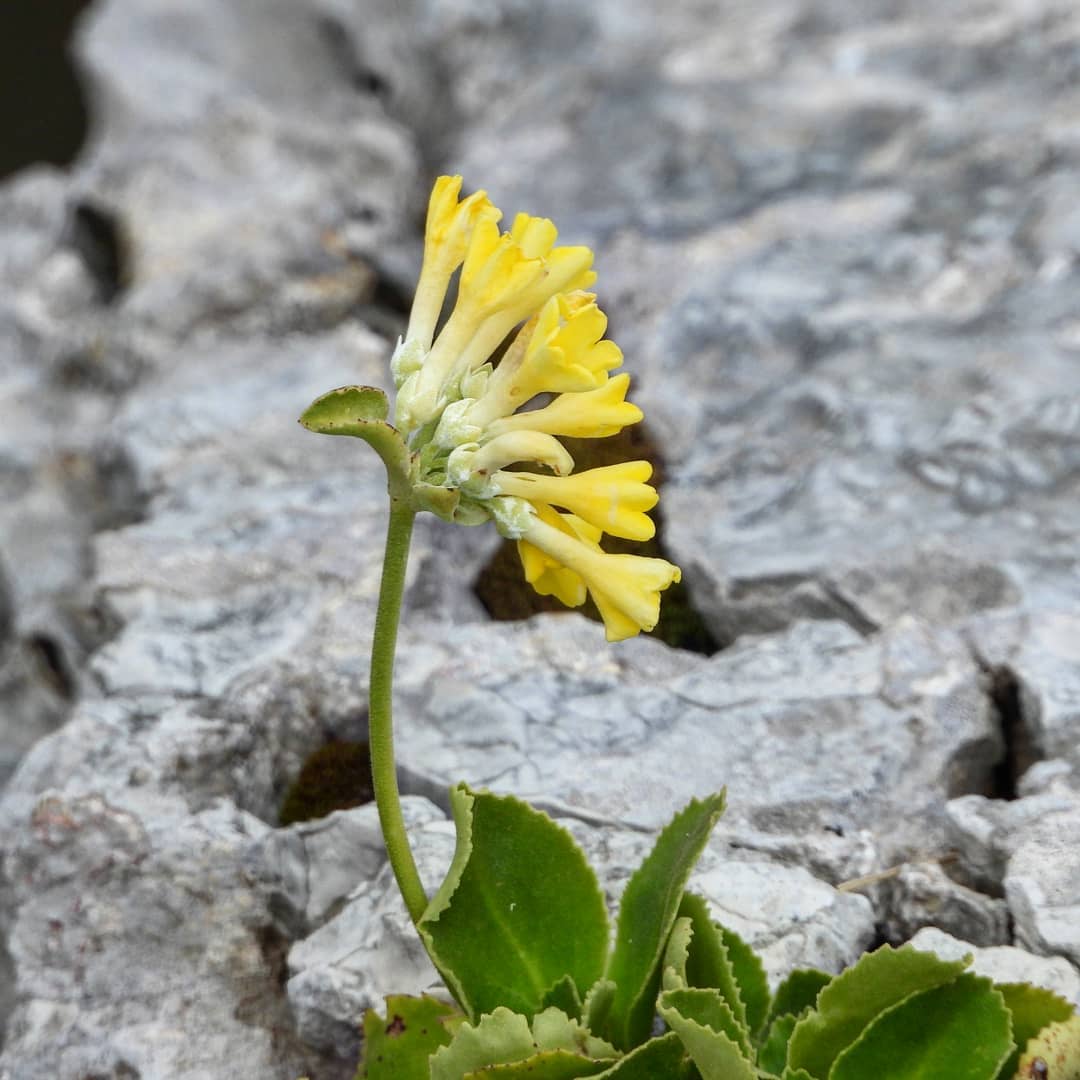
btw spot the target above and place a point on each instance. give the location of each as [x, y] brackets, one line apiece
[102, 485]
[392, 296]
[771, 603]
[274, 948]
[95, 234]
[97, 366]
[1020, 751]
[336, 776]
[7, 611]
[43, 110]
[371, 82]
[50, 660]
[7, 989]
[507, 597]
[339, 44]
[261, 1002]
[881, 937]
[122, 1070]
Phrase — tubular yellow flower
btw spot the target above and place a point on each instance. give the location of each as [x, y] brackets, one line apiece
[559, 351]
[462, 415]
[449, 228]
[507, 449]
[613, 498]
[495, 272]
[505, 278]
[594, 414]
[543, 573]
[626, 588]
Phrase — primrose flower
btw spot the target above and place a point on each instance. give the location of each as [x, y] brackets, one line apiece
[524, 331]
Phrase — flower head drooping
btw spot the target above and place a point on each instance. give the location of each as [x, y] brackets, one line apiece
[466, 416]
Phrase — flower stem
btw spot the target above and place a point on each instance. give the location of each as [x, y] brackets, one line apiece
[380, 722]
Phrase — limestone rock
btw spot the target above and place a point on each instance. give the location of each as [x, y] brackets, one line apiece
[1004, 963]
[923, 894]
[839, 249]
[893, 727]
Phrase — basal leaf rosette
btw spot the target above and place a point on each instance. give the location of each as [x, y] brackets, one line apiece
[483, 399]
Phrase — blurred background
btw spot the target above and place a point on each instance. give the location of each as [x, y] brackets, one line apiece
[838, 244]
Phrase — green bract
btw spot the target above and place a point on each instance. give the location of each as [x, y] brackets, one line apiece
[361, 412]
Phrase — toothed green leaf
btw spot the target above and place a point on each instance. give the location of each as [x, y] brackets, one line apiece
[664, 1058]
[646, 915]
[957, 1031]
[708, 963]
[852, 1000]
[520, 909]
[772, 1055]
[709, 1031]
[547, 1065]
[749, 977]
[798, 992]
[398, 1047]
[563, 994]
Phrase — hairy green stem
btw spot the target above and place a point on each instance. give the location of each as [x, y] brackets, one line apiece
[380, 722]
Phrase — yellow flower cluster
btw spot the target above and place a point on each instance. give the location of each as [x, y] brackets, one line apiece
[465, 418]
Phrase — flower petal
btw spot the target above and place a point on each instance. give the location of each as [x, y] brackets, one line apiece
[614, 498]
[626, 588]
[449, 228]
[559, 351]
[594, 414]
[517, 446]
[543, 573]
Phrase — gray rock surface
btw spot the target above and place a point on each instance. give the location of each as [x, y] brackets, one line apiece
[923, 895]
[1042, 882]
[839, 246]
[1027, 849]
[1004, 964]
[896, 725]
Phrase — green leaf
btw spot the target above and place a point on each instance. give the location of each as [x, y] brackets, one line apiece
[798, 992]
[704, 1005]
[851, 1001]
[361, 411]
[339, 411]
[664, 1058]
[772, 1056]
[709, 1031]
[1032, 1008]
[673, 969]
[519, 909]
[563, 994]
[398, 1047]
[504, 1044]
[796, 1074]
[547, 1065]
[1057, 1046]
[647, 913]
[750, 977]
[553, 1030]
[957, 1031]
[708, 963]
[501, 1036]
[597, 1006]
